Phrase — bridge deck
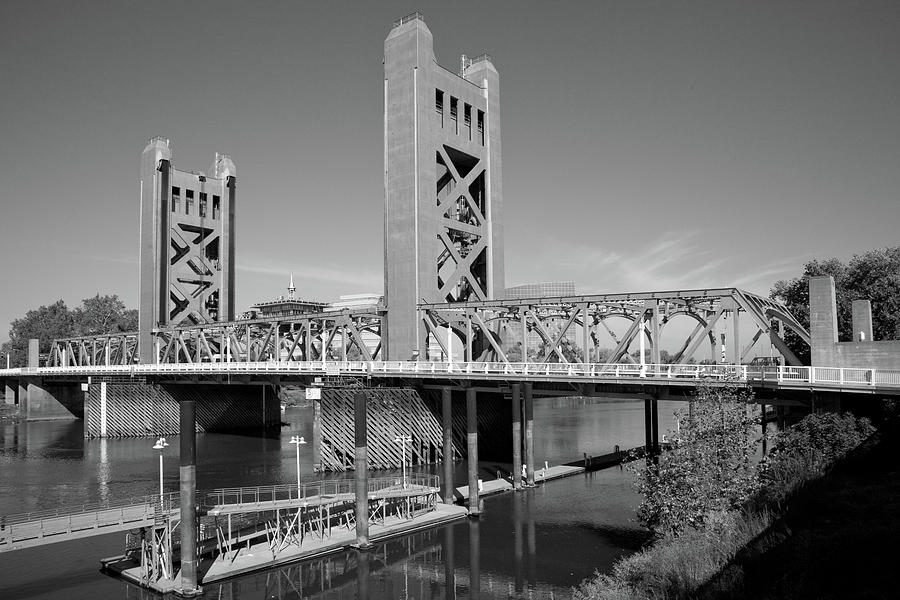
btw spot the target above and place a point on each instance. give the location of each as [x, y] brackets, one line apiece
[845, 379]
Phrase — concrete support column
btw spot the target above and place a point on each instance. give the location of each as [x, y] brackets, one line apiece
[447, 410]
[861, 314]
[654, 416]
[34, 349]
[187, 439]
[517, 436]
[648, 425]
[529, 433]
[472, 438]
[361, 477]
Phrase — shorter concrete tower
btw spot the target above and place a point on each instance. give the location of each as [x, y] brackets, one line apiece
[187, 243]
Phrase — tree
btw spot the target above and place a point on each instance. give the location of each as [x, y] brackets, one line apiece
[709, 468]
[873, 275]
[95, 316]
[103, 314]
[45, 323]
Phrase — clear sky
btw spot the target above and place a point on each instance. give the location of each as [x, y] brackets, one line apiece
[647, 145]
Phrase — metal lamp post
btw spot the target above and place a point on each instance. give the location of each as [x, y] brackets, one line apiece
[402, 440]
[298, 441]
[160, 445]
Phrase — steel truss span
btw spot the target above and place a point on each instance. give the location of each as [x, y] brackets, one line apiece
[488, 330]
[484, 331]
[344, 335]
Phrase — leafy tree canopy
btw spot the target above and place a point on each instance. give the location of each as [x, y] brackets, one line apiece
[95, 316]
[873, 275]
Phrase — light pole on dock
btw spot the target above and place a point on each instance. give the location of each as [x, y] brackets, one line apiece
[402, 440]
[298, 441]
[160, 445]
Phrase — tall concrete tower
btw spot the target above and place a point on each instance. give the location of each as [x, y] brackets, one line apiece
[442, 184]
[187, 243]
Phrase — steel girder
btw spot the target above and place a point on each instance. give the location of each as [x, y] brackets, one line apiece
[110, 349]
[489, 329]
[345, 335]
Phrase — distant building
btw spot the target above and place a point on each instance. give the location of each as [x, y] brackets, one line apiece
[285, 307]
[539, 290]
[355, 301]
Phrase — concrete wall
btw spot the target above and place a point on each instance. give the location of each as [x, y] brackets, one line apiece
[825, 349]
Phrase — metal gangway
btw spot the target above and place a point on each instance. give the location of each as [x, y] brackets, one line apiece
[61, 524]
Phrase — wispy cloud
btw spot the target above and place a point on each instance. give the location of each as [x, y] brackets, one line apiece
[372, 279]
[109, 258]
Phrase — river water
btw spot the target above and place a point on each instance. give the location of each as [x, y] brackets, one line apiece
[535, 544]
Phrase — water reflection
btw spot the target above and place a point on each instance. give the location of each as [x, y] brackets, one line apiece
[524, 544]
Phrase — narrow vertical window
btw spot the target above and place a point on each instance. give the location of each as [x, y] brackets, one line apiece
[467, 120]
[188, 201]
[202, 205]
[454, 114]
[216, 207]
[176, 199]
[481, 126]
[439, 104]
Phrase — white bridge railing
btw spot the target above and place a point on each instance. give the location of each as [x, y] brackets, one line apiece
[564, 372]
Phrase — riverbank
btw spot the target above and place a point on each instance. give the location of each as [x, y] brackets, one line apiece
[837, 539]
[682, 564]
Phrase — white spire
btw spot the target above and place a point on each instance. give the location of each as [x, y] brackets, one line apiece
[291, 288]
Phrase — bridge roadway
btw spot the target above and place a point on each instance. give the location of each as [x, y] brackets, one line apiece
[865, 381]
[68, 523]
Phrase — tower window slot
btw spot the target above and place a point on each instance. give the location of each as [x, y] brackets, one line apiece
[454, 113]
[216, 207]
[202, 204]
[481, 126]
[467, 119]
[188, 201]
[176, 199]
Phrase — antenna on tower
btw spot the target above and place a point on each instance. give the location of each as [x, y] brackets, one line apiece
[291, 288]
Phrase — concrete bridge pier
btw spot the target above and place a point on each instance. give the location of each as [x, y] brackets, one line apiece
[187, 472]
[529, 434]
[472, 439]
[763, 424]
[361, 475]
[11, 391]
[447, 423]
[517, 436]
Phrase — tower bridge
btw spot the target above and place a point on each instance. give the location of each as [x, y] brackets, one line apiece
[445, 348]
